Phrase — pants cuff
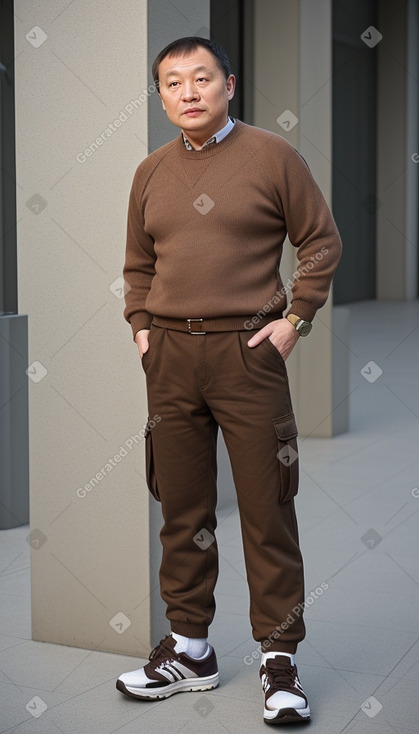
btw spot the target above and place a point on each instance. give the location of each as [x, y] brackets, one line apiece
[189, 630]
[277, 646]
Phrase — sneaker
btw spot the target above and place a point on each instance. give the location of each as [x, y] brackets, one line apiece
[170, 672]
[285, 700]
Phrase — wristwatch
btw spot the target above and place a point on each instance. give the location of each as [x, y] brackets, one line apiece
[303, 327]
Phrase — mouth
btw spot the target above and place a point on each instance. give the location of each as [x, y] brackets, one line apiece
[193, 111]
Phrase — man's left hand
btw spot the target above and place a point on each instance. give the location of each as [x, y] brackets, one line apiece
[281, 333]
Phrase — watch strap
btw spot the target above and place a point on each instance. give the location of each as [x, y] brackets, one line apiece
[293, 318]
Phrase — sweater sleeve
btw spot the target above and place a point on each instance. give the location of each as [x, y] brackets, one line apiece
[139, 266]
[312, 229]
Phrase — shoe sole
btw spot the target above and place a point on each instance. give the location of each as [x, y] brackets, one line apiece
[181, 686]
[286, 716]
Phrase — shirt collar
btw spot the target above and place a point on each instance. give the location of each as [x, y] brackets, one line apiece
[217, 138]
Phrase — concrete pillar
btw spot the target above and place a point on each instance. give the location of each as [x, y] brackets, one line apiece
[82, 95]
[293, 70]
[323, 369]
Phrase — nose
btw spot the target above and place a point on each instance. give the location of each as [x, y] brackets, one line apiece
[189, 92]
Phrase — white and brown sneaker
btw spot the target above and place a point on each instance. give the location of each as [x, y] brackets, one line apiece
[170, 672]
[285, 700]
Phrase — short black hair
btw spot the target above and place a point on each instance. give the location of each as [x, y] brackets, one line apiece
[191, 43]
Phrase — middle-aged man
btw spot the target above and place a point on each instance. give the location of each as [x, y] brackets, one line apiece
[208, 214]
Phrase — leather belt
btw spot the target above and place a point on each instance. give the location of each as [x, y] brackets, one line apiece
[223, 323]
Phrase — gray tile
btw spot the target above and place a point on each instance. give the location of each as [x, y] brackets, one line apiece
[233, 604]
[15, 616]
[13, 711]
[63, 669]
[398, 702]
[229, 632]
[408, 664]
[368, 726]
[202, 712]
[16, 582]
[357, 648]
[7, 641]
[358, 595]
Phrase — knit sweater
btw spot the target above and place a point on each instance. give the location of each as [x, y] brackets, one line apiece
[206, 230]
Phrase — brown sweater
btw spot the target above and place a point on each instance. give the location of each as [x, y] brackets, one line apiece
[206, 230]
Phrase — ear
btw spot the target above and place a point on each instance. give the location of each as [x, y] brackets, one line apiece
[162, 104]
[231, 85]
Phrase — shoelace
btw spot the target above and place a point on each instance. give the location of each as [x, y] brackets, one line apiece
[282, 676]
[162, 650]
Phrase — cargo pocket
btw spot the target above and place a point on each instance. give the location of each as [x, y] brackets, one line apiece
[149, 462]
[286, 433]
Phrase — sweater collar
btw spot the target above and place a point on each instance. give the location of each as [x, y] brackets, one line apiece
[210, 150]
[217, 138]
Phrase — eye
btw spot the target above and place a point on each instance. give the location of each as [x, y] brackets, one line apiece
[172, 84]
[202, 79]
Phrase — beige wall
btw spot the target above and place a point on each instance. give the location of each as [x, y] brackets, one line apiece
[89, 554]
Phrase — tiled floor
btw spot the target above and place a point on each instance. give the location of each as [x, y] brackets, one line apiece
[358, 515]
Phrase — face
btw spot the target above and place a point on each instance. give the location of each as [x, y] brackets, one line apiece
[195, 93]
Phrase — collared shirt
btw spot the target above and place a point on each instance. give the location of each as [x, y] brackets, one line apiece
[217, 138]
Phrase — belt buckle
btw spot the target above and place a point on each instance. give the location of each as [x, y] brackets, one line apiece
[190, 321]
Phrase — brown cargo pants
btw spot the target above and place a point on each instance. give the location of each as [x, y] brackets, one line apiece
[195, 384]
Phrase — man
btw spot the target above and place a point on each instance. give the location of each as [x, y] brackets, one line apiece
[207, 217]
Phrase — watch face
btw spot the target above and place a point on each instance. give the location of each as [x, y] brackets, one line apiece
[304, 328]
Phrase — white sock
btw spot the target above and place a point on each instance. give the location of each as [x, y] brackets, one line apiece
[267, 655]
[195, 647]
